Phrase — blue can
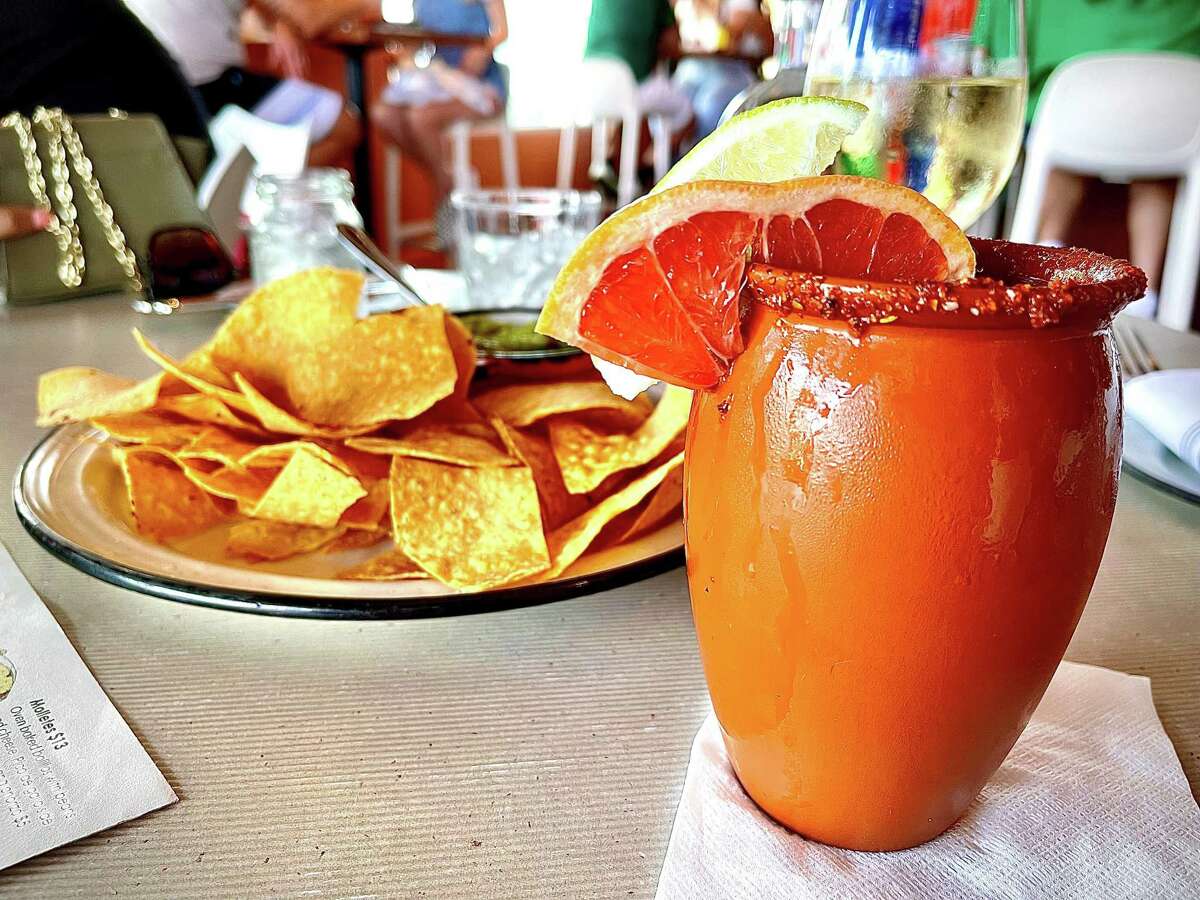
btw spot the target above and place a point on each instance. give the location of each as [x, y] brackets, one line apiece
[888, 26]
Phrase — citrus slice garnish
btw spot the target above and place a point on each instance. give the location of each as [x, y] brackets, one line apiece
[789, 138]
[786, 139]
[656, 287]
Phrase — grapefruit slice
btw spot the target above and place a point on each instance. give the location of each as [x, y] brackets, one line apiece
[656, 287]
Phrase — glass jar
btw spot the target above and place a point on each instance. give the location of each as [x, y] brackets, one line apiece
[296, 225]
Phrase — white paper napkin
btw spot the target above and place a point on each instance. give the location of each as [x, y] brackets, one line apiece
[1091, 803]
[1167, 403]
[69, 765]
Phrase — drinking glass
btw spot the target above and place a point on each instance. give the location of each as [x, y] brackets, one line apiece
[945, 83]
[793, 22]
[891, 535]
[511, 244]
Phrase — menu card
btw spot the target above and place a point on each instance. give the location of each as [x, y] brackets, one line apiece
[69, 765]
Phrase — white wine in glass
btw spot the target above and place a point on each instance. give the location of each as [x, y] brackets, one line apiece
[945, 84]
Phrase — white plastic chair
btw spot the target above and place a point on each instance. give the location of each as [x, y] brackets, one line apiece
[465, 177]
[1125, 116]
[460, 133]
[608, 94]
[464, 174]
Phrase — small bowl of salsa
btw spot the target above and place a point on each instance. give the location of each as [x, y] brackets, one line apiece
[508, 345]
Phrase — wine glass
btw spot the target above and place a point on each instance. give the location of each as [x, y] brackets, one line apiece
[946, 84]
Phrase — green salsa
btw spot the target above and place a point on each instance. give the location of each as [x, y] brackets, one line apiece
[491, 333]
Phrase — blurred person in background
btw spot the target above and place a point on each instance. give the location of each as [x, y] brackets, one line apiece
[644, 35]
[424, 97]
[204, 36]
[1061, 29]
[90, 56]
[86, 57]
[724, 43]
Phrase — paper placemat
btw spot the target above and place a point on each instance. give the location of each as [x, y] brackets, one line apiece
[69, 765]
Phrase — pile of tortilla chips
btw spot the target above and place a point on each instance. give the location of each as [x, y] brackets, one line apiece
[305, 428]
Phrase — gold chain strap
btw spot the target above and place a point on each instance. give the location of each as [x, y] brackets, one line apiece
[91, 188]
[63, 225]
[64, 143]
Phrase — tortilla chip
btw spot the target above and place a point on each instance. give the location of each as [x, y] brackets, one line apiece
[77, 393]
[246, 399]
[391, 566]
[276, 418]
[462, 347]
[276, 455]
[245, 487]
[618, 480]
[309, 490]
[587, 457]
[164, 503]
[524, 404]
[469, 528]
[367, 513]
[257, 540]
[452, 410]
[197, 407]
[367, 466]
[219, 446]
[272, 416]
[299, 339]
[664, 504]
[200, 363]
[557, 503]
[356, 538]
[243, 396]
[230, 398]
[150, 427]
[463, 444]
[568, 543]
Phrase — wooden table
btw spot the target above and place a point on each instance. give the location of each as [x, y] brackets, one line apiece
[383, 34]
[530, 753]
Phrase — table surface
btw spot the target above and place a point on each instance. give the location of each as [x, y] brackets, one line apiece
[530, 753]
[380, 34]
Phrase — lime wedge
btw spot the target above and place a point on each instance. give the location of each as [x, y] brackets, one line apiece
[788, 138]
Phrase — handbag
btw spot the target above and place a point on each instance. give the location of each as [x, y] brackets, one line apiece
[112, 182]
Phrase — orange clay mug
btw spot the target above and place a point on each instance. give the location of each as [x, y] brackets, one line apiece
[891, 534]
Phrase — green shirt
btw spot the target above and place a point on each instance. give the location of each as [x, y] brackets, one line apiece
[1061, 29]
[628, 30]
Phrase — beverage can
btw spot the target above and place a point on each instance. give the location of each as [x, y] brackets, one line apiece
[886, 26]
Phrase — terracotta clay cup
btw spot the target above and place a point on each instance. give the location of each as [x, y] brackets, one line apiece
[892, 529]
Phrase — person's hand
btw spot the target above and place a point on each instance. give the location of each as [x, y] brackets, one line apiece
[287, 50]
[18, 221]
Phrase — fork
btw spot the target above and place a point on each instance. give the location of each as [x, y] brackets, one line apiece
[1136, 358]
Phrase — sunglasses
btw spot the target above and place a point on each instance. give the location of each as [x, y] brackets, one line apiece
[186, 262]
